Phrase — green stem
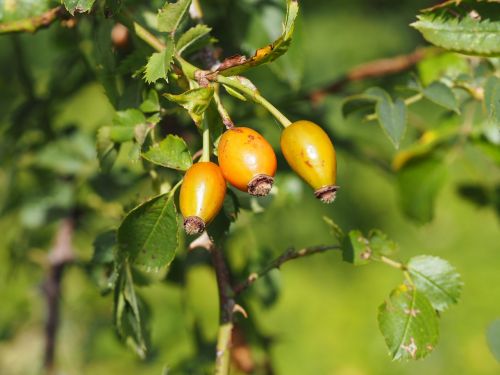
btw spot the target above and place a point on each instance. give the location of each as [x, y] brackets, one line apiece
[188, 68]
[226, 119]
[222, 359]
[149, 38]
[392, 263]
[254, 95]
[205, 156]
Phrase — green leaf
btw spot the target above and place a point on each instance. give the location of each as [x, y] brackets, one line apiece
[392, 118]
[107, 150]
[159, 64]
[172, 152]
[131, 313]
[238, 64]
[419, 181]
[129, 118]
[408, 323]
[493, 338]
[195, 101]
[192, 36]
[437, 279]
[102, 267]
[465, 35]
[442, 95]
[148, 235]
[170, 16]
[78, 6]
[381, 244]
[151, 103]
[359, 249]
[492, 99]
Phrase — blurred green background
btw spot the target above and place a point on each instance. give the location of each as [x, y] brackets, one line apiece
[324, 319]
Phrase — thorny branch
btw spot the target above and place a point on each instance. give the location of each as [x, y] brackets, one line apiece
[60, 255]
[373, 69]
[32, 24]
[288, 255]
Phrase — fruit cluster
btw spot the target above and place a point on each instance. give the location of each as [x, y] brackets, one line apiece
[247, 161]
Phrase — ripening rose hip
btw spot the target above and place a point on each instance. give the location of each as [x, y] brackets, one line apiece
[247, 160]
[201, 197]
[310, 153]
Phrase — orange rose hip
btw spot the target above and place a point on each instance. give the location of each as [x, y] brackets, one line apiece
[310, 153]
[201, 196]
[247, 160]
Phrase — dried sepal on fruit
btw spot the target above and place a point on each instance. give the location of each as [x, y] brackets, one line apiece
[247, 160]
[201, 196]
[310, 153]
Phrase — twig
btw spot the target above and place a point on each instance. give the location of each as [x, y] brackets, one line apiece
[34, 23]
[60, 255]
[373, 69]
[227, 304]
[289, 254]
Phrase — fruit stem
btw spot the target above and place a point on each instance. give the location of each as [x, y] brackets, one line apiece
[226, 119]
[205, 156]
[252, 93]
[149, 38]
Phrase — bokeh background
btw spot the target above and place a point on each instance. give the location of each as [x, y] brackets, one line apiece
[319, 313]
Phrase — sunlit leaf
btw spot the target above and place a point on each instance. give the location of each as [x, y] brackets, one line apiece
[159, 63]
[171, 15]
[192, 36]
[195, 101]
[236, 65]
[465, 35]
[172, 152]
[437, 279]
[409, 324]
[78, 6]
[148, 235]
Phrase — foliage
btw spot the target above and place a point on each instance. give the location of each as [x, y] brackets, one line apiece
[165, 91]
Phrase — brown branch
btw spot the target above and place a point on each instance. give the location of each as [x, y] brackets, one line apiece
[288, 255]
[227, 304]
[35, 23]
[60, 255]
[373, 69]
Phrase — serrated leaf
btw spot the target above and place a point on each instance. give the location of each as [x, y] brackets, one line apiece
[408, 323]
[419, 181]
[78, 6]
[442, 95]
[465, 35]
[437, 279]
[191, 36]
[170, 16]
[381, 244]
[238, 64]
[493, 338]
[359, 249]
[392, 118]
[492, 99]
[148, 235]
[172, 152]
[195, 101]
[159, 64]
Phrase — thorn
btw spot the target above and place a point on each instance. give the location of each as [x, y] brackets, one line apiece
[241, 310]
[202, 241]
